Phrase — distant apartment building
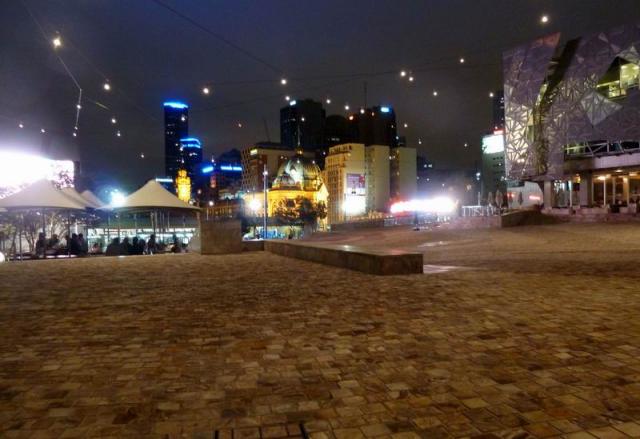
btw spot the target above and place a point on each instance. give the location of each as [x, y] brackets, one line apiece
[346, 182]
[493, 173]
[403, 173]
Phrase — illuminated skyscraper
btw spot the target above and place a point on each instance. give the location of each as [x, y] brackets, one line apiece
[176, 127]
[191, 153]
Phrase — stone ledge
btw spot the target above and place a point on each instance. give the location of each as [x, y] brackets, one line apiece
[371, 261]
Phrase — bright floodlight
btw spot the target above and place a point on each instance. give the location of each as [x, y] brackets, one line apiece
[354, 205]
[42, 130]
[435, 92]
[491, 94]
[403, 73]
[118, 134]
[328, 101]
[461, 60]
[255, 205]
[21, 125]
[206, 90]
[283, 81]
[117, 198]
[346, 107]
[114, 120]
[410, 78]
[106, 86]
[57, 42]
[406, 125]
[287, 98]
[544, 19]
[438, 205]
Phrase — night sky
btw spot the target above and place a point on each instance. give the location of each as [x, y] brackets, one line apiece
[326, 49]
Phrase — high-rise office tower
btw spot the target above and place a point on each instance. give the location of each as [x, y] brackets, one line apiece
[374, 126]
[191, 152]
[302, 124]
[176, 127]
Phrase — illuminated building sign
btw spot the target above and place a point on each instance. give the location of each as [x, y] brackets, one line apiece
[176, 105]
[385, 109]
[207, 169]
[493, 143]
[164, 180]
[253, 152]
[231, 168]
[19, 170]
[190, 142]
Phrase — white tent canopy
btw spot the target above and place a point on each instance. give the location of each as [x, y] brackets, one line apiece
[41, 195]
[152, 196]
[71, 192]
[92, 198]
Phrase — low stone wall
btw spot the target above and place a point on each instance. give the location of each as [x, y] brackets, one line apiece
[514, 218]
[380, 262]
[220, 237]
[357, 225]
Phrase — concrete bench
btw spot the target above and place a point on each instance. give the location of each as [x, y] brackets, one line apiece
[371, 261]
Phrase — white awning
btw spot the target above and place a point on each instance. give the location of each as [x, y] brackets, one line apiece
[41, 195]
[152, 196]
[92, 198]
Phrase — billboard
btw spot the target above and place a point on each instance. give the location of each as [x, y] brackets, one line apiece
[355, 184]
[493, 143]
[19, 170]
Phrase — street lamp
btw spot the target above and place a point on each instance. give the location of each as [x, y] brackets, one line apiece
[266, 212]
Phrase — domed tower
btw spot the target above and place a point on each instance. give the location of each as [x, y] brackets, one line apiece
[298, 173]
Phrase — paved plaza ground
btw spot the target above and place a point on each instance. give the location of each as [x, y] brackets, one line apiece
[536, 334]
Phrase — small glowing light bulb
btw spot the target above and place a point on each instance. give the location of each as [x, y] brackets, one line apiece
[106, 86]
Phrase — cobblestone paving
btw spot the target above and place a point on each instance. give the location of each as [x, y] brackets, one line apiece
[540, 338]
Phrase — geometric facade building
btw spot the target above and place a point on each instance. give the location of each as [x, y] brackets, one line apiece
[572, 116]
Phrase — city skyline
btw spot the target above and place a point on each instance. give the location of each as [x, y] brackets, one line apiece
[245, 94]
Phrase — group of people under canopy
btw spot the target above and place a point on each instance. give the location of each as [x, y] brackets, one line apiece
[138, 246]
[44, 198]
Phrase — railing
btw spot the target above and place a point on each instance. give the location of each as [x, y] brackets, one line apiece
[480, 210]
[593, 149]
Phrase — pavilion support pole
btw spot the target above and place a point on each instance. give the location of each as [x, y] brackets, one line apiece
[68, 234]
[20, 227]
[108, 228]
[118, 216]
[135, 223]
[570, 194]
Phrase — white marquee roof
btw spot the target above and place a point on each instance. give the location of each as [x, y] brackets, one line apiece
[41, 195]
[152, 195]
[71, 192]
[92, 198]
